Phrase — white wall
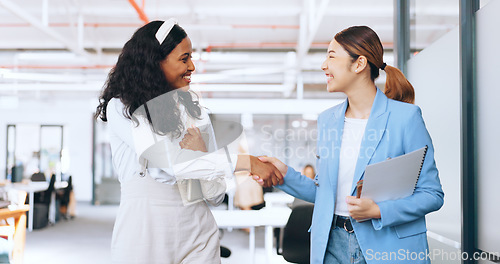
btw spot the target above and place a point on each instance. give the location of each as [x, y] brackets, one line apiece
[76, 117]
[488, 126]
[434, 73]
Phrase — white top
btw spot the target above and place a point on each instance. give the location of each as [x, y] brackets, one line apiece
[131, 145]
[354, 130]
[157, 222]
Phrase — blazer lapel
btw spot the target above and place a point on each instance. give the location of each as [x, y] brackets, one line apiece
[334, 131]
[375, 129]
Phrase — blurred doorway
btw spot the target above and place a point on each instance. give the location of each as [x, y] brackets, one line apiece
[33, 148]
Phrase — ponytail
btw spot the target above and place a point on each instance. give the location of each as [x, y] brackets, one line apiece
[397, 87]
[362, 40]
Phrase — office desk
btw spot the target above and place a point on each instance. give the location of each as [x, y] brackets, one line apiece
[19, 215]
[31, 188]
[267, 217]
[279, 199]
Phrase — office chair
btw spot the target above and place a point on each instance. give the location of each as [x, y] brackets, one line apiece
[42, 204]
[296, 238]
[38, 176]
[225, 252]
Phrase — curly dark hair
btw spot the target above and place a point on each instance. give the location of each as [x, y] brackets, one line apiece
[138, 77]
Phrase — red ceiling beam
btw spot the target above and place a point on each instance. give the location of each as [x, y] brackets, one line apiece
[140, 11]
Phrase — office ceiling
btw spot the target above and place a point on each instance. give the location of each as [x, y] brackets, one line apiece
[242, 48]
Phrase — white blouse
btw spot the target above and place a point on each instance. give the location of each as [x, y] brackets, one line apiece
[354, 130]
[134, 147]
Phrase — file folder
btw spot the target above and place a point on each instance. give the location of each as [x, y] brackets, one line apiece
[393, 178]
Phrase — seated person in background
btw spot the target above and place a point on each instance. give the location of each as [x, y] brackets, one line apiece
[249, 194]
[309, 171]
[66, 199]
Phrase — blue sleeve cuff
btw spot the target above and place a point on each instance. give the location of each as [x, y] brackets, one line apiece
[299, 186]
[289, 171]
[377, 223]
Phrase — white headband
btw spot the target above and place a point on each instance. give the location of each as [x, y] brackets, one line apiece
[165, 28]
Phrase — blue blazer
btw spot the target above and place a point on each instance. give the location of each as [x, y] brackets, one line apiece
[393, 129]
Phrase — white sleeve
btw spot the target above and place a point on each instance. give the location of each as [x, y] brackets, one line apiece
[208, 167]
[219, 162]
[118, 124]
[165, 153]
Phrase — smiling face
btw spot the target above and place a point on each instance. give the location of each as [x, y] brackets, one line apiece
[178, 65]
[338, 67]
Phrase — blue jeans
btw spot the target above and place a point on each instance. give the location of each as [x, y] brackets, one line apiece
[343, 248]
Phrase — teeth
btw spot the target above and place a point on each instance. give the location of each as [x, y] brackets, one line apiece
[187, 77]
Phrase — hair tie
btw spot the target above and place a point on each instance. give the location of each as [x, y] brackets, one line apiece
[164, 29]
[383, 66]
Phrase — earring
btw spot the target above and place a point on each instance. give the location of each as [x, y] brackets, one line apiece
[356, 71]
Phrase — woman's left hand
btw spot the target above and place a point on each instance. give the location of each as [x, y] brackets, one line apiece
[193, 140]
[362, 208]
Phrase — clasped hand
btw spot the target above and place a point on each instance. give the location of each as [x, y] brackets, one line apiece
[277, 164]
[266, 171]
[362, 208]
[193, 140]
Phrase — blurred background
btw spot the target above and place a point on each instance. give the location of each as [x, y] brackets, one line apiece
[257, 63]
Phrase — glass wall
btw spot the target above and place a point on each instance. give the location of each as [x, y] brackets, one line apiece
[488, 125]
[33, 148]
[105, 187]
[433, 70]
[429, 21]
[10, 167]
[290, 138]
[51, 145]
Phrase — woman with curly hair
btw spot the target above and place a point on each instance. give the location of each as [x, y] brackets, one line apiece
[154, 223]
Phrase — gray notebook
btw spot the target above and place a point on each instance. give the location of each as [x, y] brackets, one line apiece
[194, 192]
[394, 178]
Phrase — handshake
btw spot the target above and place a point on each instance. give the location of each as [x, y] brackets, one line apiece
[266, 171]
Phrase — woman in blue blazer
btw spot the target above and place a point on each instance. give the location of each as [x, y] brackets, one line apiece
[367, 128]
